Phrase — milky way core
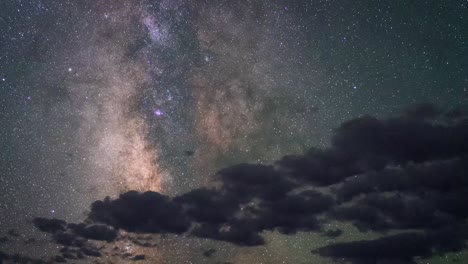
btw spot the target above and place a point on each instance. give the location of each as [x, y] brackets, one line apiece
[104, 87]
[144, 93]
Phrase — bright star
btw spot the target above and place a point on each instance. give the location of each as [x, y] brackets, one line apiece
[158, 112]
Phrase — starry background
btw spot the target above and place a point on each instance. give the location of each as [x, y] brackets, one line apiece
[102, 97]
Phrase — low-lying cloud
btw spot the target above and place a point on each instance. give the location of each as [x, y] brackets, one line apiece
[406, 174]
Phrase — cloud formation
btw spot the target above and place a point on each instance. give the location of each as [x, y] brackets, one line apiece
[74, 237]
[405, 174]
[400, 248]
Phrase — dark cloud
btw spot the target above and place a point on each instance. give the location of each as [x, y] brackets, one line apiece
[91, 251]
[332, 233]
[401, 140]
[384, 211]
[17, 258]
[237, 232]
[139, 240]
[253, 198]
[95, 232]
[320, 167]
[208, 205]
[74, 237]
[67, 239]
[422, 111]
[77, 244]
[59, 259]
[408, 211]
[295, 212]
[148, 212]
[71, 253]
[138, 257]
[247, 181]
[49, 225]
[438, 175]
[128, 256]
[400, 248]
[144, 243]
[209, 252]
[365, 218]
[398, 174]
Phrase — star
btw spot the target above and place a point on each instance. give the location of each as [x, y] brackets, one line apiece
[158, 112]
[161, 95]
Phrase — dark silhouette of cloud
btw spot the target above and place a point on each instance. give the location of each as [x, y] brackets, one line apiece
[423, 176]
[208, 205]
[332, 233]
[60, 259]
[402, 140]
[138, 257]
[74, 237]
[422, 111]
[95, 232]
[49, 225]
[147, 212]
[400, 248]
[236, 232]
[71, 253]
[247, 181]
[398, 174]
[17, 258]
[209, 252]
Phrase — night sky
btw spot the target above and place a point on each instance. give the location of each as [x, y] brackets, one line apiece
[250, 131]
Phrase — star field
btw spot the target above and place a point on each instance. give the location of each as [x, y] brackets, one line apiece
[98, 98]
